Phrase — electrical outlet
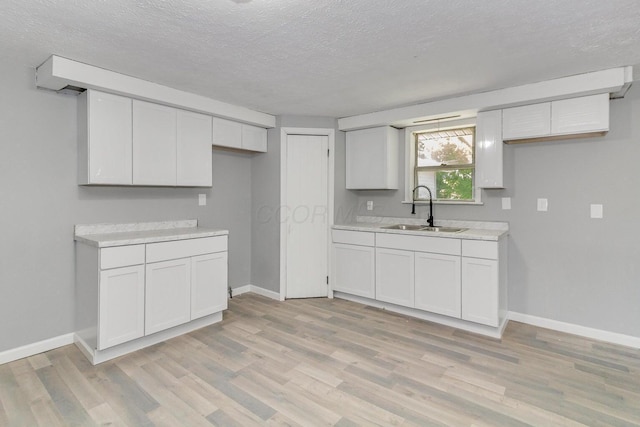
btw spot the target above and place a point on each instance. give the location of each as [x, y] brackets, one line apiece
[543, 205]
[202, 199]
[506, 203]
[369, 205]
[597, 211]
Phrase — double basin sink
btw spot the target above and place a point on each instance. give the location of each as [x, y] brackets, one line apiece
[413, 227]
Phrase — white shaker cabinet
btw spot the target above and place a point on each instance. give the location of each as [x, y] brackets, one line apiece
[489, 148]
[372, 159]
[135, 295]
[168, 294]
[587, 114]
[565, 118]
[154, 144]
[104, 139]
[395, 276]
[193, 149]
[353, 263]
[120, 295]
[227, 133]
[528, 121]
[121, 308]
[482, 300]
[208, 284]
[254, 138]
[437, 283]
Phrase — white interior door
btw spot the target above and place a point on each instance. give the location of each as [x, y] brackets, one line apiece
[305, 216]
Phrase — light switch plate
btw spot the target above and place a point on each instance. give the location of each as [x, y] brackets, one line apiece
[369, 205]
[506, 203]
[543, 205]
[597, 211]
[202, 199]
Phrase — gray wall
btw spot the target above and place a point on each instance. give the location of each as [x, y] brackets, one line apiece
[265, 175]
[40, 203]
[562, 264]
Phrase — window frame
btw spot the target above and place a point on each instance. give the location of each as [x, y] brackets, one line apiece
[410, 160]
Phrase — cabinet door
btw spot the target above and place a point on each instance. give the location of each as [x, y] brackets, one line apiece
[208, 284]
[528, 121]
[168, 294]
[193, 150]
[480, 291]
[489, 158]
[254, 138]
[105, 139]
[121, 306]
[394, 276]
[580, 115]
[353, 270]
[372, 159]
[154, 144]
[227, 133]
[438, 283]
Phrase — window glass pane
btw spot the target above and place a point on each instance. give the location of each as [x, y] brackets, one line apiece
[427, 178]
[455, 185]
[448, 147]
[446, 185]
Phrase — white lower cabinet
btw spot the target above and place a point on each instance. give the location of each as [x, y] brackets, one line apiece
[480, 291]
[437, 283]
[168, 295]
[454, 277]
[354, 269]
[395, 276]
[121, 308]
[208, 284]
[140, 290]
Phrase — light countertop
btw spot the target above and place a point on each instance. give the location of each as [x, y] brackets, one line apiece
[107, 235]
[475, 230]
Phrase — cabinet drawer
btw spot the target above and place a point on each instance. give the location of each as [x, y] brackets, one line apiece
[185, 248]
[418, 243]
[362, 238]
[121, 256]
[480, 249]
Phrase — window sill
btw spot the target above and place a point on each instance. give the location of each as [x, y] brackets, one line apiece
[442, 202]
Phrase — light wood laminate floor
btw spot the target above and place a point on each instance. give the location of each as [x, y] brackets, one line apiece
[331, 362]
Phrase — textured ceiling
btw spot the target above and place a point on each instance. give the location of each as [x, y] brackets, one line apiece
[327, 57]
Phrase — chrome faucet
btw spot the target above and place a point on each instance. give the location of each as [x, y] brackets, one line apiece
[413, 204]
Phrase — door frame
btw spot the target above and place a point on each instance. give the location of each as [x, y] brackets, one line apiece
[284, 133]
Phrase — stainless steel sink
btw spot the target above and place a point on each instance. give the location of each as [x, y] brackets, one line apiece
[414, 227]
[444, 229]
[404, 227]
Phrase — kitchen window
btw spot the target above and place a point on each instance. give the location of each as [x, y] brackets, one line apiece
[444, 161]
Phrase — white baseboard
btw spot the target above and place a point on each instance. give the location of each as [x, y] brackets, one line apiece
[35, 348]
[256, 290]
[475, 328]
[570, 328]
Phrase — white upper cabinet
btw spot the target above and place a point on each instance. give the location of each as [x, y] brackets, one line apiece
[193, 149]
[372, 159]
[104, 139]
[227, 133]
[489, 147]
[154, 144]
[254, 138]
[131, 142]
[557, 119]
[579, 115]
[529, 121]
